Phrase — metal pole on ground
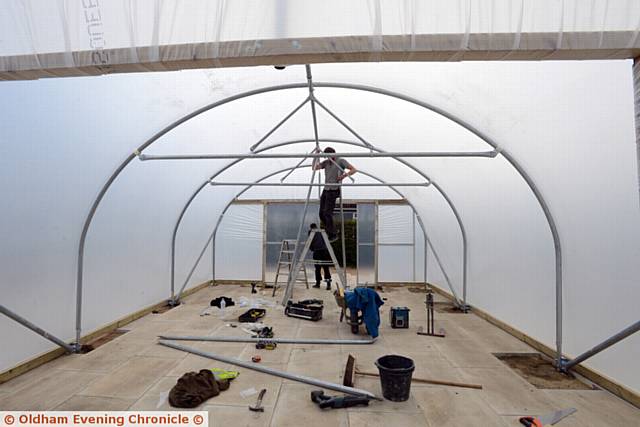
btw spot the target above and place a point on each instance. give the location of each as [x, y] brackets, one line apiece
[38, 330]
[265, 370]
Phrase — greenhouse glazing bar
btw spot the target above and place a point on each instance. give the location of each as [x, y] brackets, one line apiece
[315, 184]
[487, 154]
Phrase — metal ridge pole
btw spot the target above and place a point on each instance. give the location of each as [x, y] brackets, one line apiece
[38, 330]
[314, 184]
[282, 374]
[422, 226]
[340, 141]
[486, 154]
[277, 340]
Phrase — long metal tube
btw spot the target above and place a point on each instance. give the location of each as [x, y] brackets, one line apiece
[486, 154]
[603, 345]
[422, 226]
[315, 184]
[346, 126]
[516, 165]
[636, 103]
[339, 141]
[293, 272]
[482, 136]
[212, 237]
[277, 340]
[282, 374]
[280, 123]
[38, 330]
[123, 165]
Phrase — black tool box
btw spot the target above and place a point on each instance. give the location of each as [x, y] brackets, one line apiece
[310, 309]
[399, 317]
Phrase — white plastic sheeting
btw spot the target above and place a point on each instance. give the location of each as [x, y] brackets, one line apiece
[239, 243]
[396, 258]
[79, 37]
[569, 124]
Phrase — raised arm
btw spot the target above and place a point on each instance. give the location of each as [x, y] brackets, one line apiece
[317, 164]
[349, 170]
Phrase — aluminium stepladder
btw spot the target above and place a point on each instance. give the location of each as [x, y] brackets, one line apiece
[301, 260]
[285, 259]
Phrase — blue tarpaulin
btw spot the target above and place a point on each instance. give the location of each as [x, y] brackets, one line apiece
[368, 301]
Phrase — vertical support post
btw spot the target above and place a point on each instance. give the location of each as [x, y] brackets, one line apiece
[296, 251]
[636, 103]
[213, 260]
[342, 240]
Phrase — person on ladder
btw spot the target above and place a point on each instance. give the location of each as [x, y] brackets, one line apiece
[320, 253]
[334, 173]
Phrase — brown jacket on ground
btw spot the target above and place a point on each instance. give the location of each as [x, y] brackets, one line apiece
[193, 388]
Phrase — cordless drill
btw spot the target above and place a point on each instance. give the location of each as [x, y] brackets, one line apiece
[335, 402]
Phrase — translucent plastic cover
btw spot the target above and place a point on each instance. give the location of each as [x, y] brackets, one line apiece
[568, 125]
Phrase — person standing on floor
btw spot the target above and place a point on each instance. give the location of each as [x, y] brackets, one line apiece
[320, 253]
[335, 170]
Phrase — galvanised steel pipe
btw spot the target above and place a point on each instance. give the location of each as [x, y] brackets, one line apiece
[265, 370]
[314, 184]
[406, 154]
[330, 140]
[300, 141]
[212, 237]
[424, 232]
[277, 340]
[35, 328]
[479, 134]
[123, 165]
[516, 165]
[602, 346]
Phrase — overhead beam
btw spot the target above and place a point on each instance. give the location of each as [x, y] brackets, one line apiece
[488, 154]
[531, 46]
[302, 184]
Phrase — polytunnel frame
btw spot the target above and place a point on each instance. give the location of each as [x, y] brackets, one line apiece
[487, 139]
[337, 141]
[212, 237]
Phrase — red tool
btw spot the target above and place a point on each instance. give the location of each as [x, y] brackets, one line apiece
[547, 419]
[256, 359]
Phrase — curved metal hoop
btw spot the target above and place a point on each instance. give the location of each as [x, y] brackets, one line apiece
[212, 237]
[338, 141]
[472, 129]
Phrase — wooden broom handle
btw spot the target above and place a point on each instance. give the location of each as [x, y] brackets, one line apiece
[422, 380]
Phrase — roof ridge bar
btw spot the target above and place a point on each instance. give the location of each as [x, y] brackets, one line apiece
[487, 154]
[302, 184]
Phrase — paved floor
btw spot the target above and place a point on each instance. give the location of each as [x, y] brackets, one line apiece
[133, 372]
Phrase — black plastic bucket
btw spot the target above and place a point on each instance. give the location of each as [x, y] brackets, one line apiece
[395, 376]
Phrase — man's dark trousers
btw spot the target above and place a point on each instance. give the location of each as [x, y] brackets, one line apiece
[327, 205]
[322, 255]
